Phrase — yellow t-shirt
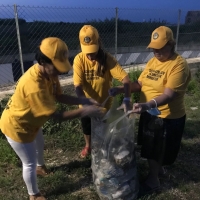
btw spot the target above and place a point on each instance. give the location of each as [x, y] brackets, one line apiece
[174, 74]
[94, 86]
[30, 106]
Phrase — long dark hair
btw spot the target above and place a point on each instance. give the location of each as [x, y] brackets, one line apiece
[41, 58]
[101, 59]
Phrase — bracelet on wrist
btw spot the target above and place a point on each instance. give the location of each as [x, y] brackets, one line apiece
[156, 105]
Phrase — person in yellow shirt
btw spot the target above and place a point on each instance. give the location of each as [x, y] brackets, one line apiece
[33, 103]
[94, 70]
[162, 85]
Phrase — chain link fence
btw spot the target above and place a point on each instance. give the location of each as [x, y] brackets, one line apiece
[125, 33]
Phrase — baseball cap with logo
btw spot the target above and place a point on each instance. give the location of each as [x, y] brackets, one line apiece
[89, 39]
[57, 51]
[160, 36]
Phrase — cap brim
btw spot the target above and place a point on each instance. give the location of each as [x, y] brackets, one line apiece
[62, 67]
[156, 45]
[89, 48]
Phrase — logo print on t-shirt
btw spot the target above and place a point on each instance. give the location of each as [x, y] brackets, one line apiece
[91, 75]
[155, 74]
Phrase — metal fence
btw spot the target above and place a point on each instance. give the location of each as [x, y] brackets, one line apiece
[124, 32]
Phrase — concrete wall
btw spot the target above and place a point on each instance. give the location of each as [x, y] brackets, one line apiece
[120, 51]
[6, 74]
[10, 72]
[143, 57]
[194, 63]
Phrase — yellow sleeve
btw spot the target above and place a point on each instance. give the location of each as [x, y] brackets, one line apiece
[179, 77]
[78, 74]
[41, 103]
[116, 70]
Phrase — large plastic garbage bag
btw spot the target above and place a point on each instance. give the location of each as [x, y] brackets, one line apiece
[113, 156]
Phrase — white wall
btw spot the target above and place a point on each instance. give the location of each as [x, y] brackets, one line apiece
[125, 59]
[6, 74]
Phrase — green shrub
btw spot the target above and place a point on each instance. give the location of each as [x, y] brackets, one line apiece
[7, 155]
[53, 127]
[197, 74]
[119, 96]
[193, 86]
[3, 103]
[133, 75]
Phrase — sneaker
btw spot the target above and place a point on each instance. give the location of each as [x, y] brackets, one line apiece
[85, 152]
[42, 170]
[37, 197]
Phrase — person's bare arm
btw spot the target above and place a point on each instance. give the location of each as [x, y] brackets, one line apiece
[72, 100]
[134, 87]
[80, 112]
[79, 91]
[167, 96]
[127, 88]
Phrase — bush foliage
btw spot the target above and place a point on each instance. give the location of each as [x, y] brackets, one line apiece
[133, 75]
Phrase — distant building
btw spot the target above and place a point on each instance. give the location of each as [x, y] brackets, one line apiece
[192, 16]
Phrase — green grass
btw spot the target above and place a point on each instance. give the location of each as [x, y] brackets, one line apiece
[72, 176]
